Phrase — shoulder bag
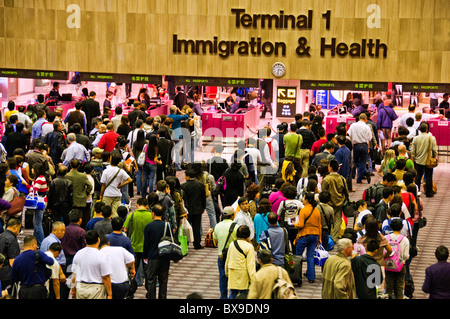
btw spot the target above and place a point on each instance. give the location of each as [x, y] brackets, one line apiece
[167, 248]
[17, 205]
[223, 256]
[432, 162]
[349, 207]
[112, 179]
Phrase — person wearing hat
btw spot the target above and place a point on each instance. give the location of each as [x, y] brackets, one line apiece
[224, 234]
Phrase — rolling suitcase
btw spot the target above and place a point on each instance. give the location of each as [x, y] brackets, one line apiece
[296, 275]
[29, 213]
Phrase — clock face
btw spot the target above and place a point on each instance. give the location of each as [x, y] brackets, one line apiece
[278, 69]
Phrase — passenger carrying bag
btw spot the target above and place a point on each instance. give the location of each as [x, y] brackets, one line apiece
[167, 247]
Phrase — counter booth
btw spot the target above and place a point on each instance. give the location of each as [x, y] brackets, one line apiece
[219, 123]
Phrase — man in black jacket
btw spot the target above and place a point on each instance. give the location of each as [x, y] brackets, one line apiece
[91, 109]
[59, 198]
[17, 139]
[367, 272]
[195, 201]
[165, 146]
[56, 141]
[180, 99]
[308, 139]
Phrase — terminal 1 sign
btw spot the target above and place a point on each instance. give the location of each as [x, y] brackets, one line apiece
[256, 46]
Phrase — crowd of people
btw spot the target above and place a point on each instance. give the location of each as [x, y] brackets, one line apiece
[281, 195]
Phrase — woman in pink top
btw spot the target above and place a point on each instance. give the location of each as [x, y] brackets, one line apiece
[276, 198]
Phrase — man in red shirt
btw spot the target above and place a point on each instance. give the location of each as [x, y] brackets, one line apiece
[109, 139]
[315, 149]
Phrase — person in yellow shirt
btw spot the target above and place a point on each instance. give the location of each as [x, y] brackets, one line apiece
[240, 265]
[11, 110]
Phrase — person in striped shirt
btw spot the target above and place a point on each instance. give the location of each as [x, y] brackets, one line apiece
[40, 188]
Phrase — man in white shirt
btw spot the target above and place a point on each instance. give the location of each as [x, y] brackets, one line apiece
[255, 155]
[243, 216]
[120, 261]
[113, 178]
[91, 271]
[25, 119]
[404, 117]
[57, 277]
[360, 135]
[116, 120]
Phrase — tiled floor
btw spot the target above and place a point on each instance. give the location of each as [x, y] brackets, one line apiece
[198, 271]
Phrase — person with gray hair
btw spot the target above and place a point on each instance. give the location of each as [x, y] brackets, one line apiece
[75, 150]
[338, 280]
[57, 233]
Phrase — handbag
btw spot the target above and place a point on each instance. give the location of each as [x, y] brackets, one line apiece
[349, 207]
[141, 158]
[422, 222]
[183, 241]
[17, 205]
[320, 255]
[432, 162]
[167, 248]
[209, 239]
[187, 230]
[33, 201]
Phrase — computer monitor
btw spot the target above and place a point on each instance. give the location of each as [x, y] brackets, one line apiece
[243, 104]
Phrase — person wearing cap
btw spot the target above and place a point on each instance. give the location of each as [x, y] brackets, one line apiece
[262, 284]
[221, 231]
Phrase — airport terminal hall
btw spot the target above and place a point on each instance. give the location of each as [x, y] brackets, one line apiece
[224, 151]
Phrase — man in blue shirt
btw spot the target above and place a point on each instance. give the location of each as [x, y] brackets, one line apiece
[75, 150]
[36, 130]
[177, 133]
[277, 239]
[343, 156]
[30, 272]
[58, 231]
[117, 238]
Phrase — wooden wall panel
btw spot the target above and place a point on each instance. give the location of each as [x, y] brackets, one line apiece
[136, 36]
